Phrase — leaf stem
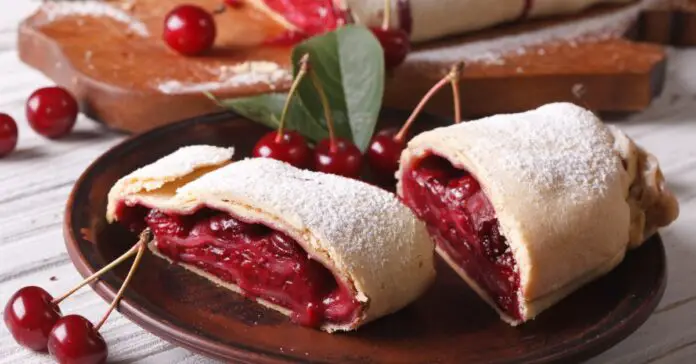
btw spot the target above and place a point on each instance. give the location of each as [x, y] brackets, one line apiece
[386, 19]
[145, 238]
[327, 108]
[454, 72]
[213, 98]
[98, 274]
[293, 90]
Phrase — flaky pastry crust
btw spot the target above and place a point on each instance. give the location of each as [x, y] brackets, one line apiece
[563, 198]
[369, 240]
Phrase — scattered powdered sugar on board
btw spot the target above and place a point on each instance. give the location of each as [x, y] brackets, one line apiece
[243, 74]
[493, 51]
[59, 9]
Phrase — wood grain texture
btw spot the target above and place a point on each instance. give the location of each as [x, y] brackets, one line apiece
[36, 180]
[111, 64]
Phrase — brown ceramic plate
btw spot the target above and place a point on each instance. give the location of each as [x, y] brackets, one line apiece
[448, 324]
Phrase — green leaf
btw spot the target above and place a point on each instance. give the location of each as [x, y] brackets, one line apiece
[266, 109]
[349, 63]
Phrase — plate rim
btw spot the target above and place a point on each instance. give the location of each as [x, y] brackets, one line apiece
[600, 340]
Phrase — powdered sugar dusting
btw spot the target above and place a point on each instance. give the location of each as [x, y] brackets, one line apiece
[344, 210]
[60, 9]
[557, 147]
[368, 233]
[493, 51]
[243, 74]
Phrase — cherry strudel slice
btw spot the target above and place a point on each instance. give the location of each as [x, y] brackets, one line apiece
[330, 252]
[529, 207]
[424, 20]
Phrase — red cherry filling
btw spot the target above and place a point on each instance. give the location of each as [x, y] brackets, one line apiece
[263, 262]
[311, 17]
[462, 220]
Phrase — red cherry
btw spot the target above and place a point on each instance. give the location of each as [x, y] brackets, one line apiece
[344, 159]
[396, 45]
[30, 315]
[52, 111]
[75, 340]
[8, 134]
[384, 153]
[290, 148]
[189, 29]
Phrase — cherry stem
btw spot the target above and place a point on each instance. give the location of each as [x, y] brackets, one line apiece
[145, 238]
[454, 72]
[327, 108]
[293, 90]
[98, 274]
[386, 19]
[454, 81]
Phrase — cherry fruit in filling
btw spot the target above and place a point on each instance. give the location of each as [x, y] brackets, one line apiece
[189, 30]
[263, 262]
[464, 224]
[30, 314]
[287, 146]
[75, 340]
[8, 135]
[396, 45]
[338, 156]
[52, 111]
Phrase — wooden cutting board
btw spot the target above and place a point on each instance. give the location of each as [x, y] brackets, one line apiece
[110, 55]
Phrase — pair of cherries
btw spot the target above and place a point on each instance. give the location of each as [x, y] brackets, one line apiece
[191, 30]
[331, 155]
[51, 112]
[36, 322]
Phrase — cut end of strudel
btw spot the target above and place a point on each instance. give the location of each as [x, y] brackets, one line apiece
[529, 207]
[327, 251]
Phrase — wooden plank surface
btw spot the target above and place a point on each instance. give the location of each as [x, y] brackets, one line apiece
[35, 182]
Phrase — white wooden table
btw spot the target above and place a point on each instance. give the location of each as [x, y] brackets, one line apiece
[35, 182]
